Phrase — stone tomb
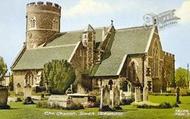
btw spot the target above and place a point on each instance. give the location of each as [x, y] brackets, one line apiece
[59, 100]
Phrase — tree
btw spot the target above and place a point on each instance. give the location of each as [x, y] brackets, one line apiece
[11, 83]
[58, 75]
[181, 77]
[3, 69]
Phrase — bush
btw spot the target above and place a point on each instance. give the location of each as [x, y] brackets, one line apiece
[188, 93]
[28, 101]
[175, 105]
[97, 103]
[184, 92]
[74, 106]
[147, 106]
[106, 108]
[89, 104]
[18, 99]
[117, 108]
[127, 101]
[42, 104]
[71, 106]
[5, 107]
[164, 105]
[59, 75]
[163, 94]
[38, 89]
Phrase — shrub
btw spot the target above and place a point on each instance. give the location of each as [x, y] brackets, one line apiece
[106, 108]
[127, 101]
[59, 75]
[5, 107]
[164, 105]
[147, 106]
[117, 108]
[18, 99]
[188, 93]
[89, 104]
[97, 103]
[74, 106]
[175, 105]
[163, 94]
[42, 104]
[28, 101]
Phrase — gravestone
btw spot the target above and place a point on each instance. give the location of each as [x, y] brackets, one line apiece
[104, 97]
[27, 91]
[28, 95]
[3, 97]
[116, 97]
[137, 94]
[109, 98]
[145, 93]
[19, 90]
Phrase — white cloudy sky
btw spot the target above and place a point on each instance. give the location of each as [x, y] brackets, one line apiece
[77, 14]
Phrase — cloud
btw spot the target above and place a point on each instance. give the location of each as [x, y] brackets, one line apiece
[91, 7]
[184, 12]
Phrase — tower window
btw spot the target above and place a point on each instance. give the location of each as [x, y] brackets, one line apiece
[55, 24]
[33, 22]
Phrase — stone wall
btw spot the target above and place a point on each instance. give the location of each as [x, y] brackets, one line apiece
[19, 79]
[169, 68]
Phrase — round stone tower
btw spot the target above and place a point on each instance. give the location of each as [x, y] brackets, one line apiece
[42, 22]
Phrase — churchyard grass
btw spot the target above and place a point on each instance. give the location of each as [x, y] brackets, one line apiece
[20, 111]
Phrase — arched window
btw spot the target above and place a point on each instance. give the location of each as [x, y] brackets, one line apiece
[33, 22]
[55, 24]
[131, 71]
[29, 78]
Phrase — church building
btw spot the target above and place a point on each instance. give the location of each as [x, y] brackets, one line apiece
[101, 56]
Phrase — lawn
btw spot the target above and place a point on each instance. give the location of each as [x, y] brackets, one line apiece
[20, 111]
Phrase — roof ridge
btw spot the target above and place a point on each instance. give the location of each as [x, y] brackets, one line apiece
[57, 46]
[95, 28]
[135, 27]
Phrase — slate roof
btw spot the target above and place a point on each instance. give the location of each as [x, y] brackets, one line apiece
[73, 37]
[60, 48]
[36, 58]
[127, 41]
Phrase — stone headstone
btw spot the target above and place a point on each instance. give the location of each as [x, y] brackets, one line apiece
[27, 91]
[137, 94]
[106, 96]
[3, 97]
[109, 98]
[19, 90]
[116, 97]
[145, 94]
